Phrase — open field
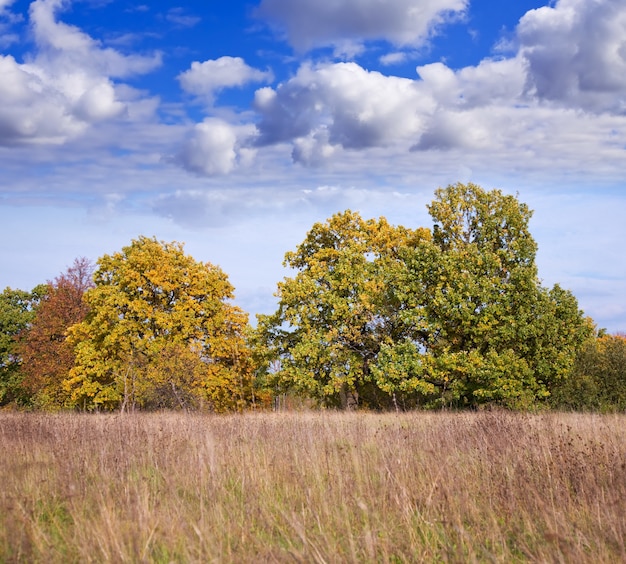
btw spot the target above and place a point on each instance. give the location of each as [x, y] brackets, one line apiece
[314, 487]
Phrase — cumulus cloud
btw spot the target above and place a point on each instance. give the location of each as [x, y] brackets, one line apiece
[576, 53]
[31, 108]
[314, 23]
[214, 147]
[65, 85]
[339, 105]
[205, 79]
[330, 107]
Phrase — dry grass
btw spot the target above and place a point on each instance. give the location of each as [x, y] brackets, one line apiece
[314, 487]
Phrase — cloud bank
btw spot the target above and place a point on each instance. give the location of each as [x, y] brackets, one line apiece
[569, 67]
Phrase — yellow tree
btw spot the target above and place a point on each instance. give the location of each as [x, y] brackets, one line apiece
[160, 332]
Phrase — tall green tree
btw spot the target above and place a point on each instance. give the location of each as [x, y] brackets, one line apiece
[160, 332]
[17, 310]
[46, 355]
[337, 312]
[493, 333]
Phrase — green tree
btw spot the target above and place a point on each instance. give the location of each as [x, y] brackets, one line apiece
[46, 355]
[598, 380]
[337, 312]
[493, 333]
[16, 313]
[160, 332]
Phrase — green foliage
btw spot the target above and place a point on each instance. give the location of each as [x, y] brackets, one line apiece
[493, 334]
[459, 318]
[598, 380]
[159, 333]
[16, 313]
[337, 312]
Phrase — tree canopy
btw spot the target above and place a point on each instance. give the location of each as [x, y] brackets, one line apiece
[598, 380]
[492, 332]
[454, 316]
[159, 332]
[374, 315]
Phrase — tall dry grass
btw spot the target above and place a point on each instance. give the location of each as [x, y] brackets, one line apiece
[314, 487]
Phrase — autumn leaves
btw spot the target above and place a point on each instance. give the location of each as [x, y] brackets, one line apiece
[377, 316]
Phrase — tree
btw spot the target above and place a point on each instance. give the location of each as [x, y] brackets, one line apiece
[46, 355]
[392, 316]
[493, 333]
[159, 332]
[16, 313]
[337, 312]
[598, 380]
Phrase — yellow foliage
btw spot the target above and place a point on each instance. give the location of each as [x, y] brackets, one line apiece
[160, 333]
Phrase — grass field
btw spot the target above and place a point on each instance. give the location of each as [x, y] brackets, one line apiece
[313, 487]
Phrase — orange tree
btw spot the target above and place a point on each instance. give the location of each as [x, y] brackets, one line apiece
[46, 355]
[160, 332]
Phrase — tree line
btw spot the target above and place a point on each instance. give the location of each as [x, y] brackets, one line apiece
[375, 316]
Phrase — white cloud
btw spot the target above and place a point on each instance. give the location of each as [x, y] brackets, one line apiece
[339, 105]
[452, 129]
[394, 58]
[205, 79]
[214, 147]
[178, 17]
[314, 23]
[576, 53]
[343, 106]
[98, 103]
[66, 48]
[30, 108]
[65, 85]
[314, 149]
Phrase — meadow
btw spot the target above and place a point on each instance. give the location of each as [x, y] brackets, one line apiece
[313, 487]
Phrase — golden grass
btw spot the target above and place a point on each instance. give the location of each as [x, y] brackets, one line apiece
[314, 487]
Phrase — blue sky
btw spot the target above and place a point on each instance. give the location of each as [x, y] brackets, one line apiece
[234, 126]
